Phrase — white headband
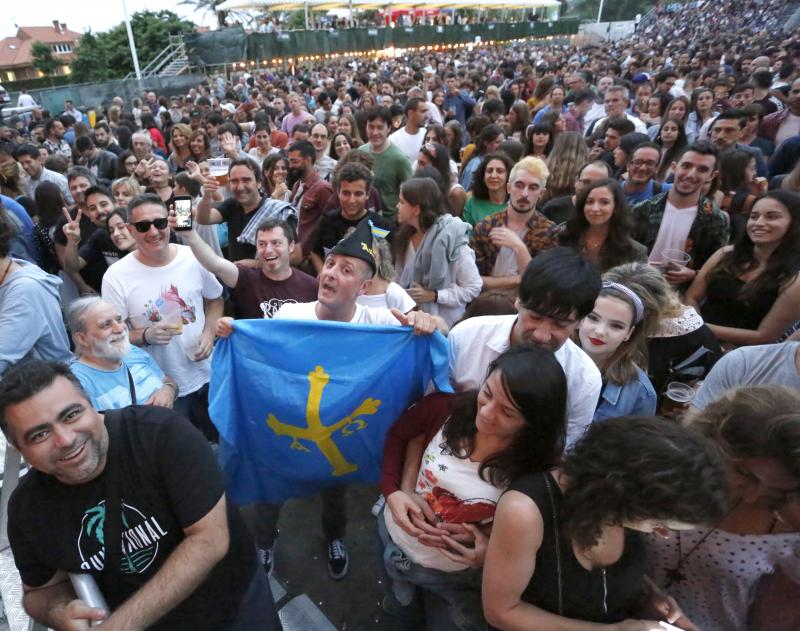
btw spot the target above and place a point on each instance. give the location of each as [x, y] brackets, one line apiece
[637, 302]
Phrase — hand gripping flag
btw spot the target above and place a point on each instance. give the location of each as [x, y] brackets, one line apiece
[301, 405]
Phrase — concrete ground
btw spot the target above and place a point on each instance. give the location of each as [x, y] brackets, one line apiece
[301, 562]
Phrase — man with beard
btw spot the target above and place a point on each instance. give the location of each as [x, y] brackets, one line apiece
[505, 242]
[244, 178]
[558, 289]
[54, 139]
[79, 180]
[133, 497]
[683, 218]
[104, 140]
[642, 168]
[112, 372]
[310, 193]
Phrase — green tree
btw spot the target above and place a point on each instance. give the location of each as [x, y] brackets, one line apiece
[43, 59]
[107, 55]
[208, 6]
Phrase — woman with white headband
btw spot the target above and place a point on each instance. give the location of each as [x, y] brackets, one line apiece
[614, 335]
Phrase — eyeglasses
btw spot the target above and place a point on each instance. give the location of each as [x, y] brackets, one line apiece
[144, 226]
[644, 163]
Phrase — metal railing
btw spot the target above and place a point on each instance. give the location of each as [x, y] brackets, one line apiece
[174, 53]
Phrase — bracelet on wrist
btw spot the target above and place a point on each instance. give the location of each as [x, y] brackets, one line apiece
[144, 336]
[174, 388]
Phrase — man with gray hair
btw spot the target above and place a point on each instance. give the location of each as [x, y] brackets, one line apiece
[616, 104]
[142, 145]
[114, 373]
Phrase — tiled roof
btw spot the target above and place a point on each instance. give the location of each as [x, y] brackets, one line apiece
[16, 51]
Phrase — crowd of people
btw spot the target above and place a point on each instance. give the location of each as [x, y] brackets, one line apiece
[608, 236]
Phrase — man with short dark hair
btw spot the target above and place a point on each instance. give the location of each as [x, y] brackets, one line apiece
[244, 179]
[102, 163]
[103, 138]
[310, 193]
[54, 139]
[391, 167]
[171, 305]
[558, 289]
[457, 101]
[642, 168]
[410, 137]
[28, 158]
[785, 124]
[683, 218]
[133, 497]
[259, 292]
[726, 132]
[352, 189]
[577, 109]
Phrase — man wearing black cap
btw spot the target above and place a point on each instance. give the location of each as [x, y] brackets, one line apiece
[346, 273]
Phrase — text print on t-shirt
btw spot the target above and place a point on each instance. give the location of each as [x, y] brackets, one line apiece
[140, 537]
[270, 307]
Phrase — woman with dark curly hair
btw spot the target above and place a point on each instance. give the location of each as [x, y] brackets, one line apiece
[489, 187]
[600, 229]
[445, 463]
[749, 292]
[565, 550]
[742, 573]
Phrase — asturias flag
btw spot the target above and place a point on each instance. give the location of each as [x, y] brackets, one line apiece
[301, 405]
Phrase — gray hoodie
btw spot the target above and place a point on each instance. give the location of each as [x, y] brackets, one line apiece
[31, 324]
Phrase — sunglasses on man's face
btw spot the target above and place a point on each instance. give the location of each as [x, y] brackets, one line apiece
[144, 226]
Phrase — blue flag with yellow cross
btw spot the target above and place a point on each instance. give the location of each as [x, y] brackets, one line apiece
[301, 405]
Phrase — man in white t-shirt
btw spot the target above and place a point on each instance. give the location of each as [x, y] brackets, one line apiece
[557, 290]
[347, 272]
[171, 304]
[683, 218]
[409, 138]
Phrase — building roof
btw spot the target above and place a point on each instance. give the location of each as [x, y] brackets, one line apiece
[16, 51]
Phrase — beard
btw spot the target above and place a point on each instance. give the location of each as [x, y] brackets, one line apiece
[295, 175]
[113, 348]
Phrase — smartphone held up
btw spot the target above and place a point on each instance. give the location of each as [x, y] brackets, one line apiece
[183, 212]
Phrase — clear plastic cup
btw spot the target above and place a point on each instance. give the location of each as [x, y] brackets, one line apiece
[677, 398]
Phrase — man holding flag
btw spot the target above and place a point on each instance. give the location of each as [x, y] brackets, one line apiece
[346, 273]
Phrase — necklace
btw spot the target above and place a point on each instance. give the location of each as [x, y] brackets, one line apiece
[8, 267]
[675, 574]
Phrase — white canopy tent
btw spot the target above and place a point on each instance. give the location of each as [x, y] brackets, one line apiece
[327, 5]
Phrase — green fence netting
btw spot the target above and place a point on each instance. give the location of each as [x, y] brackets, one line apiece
[234, 46]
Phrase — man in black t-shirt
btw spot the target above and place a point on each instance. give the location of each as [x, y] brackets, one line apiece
[352, 188]
[244, 179]
[180, 555]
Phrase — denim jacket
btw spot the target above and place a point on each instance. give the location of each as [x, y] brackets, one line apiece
[637, 397]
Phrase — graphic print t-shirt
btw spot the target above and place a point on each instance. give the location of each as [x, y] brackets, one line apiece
[174, 293]
[257, 296]
[169, 480]
[455, 492]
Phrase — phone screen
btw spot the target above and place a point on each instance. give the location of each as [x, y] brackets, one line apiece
[183, 213]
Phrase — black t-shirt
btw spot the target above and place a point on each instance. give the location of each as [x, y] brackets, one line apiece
[169, 479]
[333, 227]
[100, 247]
[560, 209]
[237, 220]
[256, 296]
[92, 274]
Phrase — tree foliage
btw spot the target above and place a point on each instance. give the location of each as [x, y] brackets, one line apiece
[105, 56]
[43, 59]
